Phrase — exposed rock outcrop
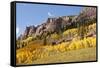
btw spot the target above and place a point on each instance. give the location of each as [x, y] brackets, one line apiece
[58, 23]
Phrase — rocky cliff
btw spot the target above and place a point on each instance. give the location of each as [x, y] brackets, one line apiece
[58, 24]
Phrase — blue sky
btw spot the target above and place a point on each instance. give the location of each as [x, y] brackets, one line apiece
[34, 14]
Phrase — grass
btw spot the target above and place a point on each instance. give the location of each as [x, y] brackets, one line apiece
[87, 54]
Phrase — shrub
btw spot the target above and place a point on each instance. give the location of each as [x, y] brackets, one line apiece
[62, 47]
[70, 32]
[72, 46]
[24, 56]
[55, 36]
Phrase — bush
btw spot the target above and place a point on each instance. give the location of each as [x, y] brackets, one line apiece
[55, 36]
[70, 32]
[24, 56]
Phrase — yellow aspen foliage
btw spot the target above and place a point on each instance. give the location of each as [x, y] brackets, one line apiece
[63, 47]
[55, 36]
[92, 26]
[85, 43]
[24, 56]
[89, 41]
[72, 32]
[29, 39]
[93, 42]
[29, 54]
[45, 54]
[79, 44]
[49, 47]
[56, 48]
[72, 46]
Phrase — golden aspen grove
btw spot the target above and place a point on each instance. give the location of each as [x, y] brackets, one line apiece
[34, 51]
[59, 39]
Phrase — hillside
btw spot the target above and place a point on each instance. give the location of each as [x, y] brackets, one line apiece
[72, 37]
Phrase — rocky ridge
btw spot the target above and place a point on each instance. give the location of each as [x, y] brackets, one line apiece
[58, 24]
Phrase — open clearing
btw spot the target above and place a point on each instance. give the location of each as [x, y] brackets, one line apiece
[87, 54]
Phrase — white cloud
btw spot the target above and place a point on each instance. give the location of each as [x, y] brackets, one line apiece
[50, 14]
[17, 30]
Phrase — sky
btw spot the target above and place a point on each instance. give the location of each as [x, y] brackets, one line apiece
[35, 14]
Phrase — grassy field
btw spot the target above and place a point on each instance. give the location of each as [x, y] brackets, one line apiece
[87, 54]
[80, 50]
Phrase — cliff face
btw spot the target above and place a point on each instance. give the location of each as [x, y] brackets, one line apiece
[58, 23]
[88, 13]
[51, 25]
[29, 31]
